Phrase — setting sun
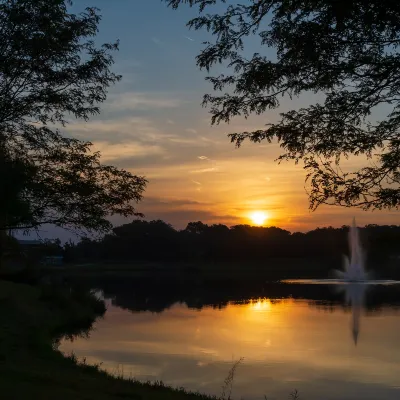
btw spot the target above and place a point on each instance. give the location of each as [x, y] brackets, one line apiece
[259, 217]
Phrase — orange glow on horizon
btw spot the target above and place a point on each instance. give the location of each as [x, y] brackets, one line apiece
[259, 217]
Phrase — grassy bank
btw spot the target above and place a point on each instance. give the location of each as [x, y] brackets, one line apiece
[221, 273]
[31, 319]
[270, 269]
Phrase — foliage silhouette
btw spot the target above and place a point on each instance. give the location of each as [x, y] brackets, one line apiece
[348, 52]
[228, 251]
[15, 176]
[50, 72]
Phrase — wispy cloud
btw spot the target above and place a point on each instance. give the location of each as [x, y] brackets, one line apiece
[193, 142]
[170, 122]
[111, 152]
[191, 130]
[204, 170]
[189, 38]
[116, 131]
[141, 101]
[198, 186]
[172, 202]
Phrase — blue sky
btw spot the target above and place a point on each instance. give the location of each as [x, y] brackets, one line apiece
[153, 124]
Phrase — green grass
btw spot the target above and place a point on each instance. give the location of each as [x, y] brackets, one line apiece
[31, 367]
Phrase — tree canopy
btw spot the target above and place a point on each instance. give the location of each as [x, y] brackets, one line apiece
[51, 72]
[346, 50]
[15, 176]
[240, 244]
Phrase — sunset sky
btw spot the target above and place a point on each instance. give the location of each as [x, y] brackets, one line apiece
[153, 125]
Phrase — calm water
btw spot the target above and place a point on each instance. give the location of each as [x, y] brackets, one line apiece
[287, 344]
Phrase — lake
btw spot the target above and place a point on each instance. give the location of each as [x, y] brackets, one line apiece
[312, 341]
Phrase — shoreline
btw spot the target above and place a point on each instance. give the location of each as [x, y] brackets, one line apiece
[271, 269]
[31, 366]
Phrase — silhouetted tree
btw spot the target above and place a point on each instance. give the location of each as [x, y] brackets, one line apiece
[154, 240]
[15, 176]
[196, 227]
[15, 210]
[276, 250]
[51, 71]
[346, 50]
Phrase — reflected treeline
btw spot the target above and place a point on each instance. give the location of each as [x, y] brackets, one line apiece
[157, 241]
[138, 295]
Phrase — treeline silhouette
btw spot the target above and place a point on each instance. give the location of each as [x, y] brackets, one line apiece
[159, 241]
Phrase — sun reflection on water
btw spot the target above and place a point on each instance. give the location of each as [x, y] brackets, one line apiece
[283, 340]
[260, 305]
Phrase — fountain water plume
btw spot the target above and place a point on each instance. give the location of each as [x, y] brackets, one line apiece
[353, 279]
[354, 268]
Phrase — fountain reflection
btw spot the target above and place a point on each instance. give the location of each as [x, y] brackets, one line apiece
[355, 296]
[353, 280]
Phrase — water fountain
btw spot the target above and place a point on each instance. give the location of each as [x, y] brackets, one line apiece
[354, 267]
[353, 279]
